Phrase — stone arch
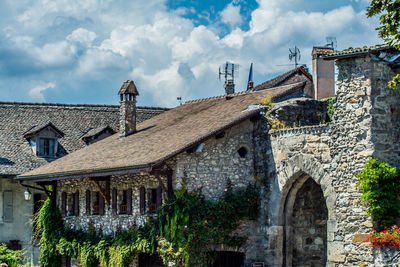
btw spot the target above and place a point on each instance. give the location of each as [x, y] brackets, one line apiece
[291, 176]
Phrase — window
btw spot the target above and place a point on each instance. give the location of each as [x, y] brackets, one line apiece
[242, 152]
[46, 147]
[123, 206]
[7, 206]
[155, 199]
[98, 204]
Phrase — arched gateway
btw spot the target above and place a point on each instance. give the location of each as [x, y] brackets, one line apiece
[306, 206]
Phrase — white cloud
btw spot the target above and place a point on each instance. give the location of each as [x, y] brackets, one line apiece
[231, 15]
[36, 92]
[82, 36]
[165, 53]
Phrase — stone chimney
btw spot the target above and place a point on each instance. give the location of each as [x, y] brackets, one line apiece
[127, 108]
[323, 73]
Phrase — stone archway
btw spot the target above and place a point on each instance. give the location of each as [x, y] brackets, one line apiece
[294, 173]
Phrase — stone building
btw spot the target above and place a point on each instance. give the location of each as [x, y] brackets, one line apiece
[310, 213]
[33, 134]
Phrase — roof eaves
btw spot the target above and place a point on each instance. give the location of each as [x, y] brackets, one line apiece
[85, 173]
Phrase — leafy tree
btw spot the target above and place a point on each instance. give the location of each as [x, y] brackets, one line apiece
[389, 11]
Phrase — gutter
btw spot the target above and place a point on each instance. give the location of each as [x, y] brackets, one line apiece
[86, 173]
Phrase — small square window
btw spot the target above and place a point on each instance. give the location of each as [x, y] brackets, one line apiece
[46, 147]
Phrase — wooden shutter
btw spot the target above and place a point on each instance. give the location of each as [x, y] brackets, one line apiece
[64, 203]
[8, 206]
[159, 196]
[142, 200]
[76, 203]
[129, 201]
[101, 205]
[114, 200]
[88, 202]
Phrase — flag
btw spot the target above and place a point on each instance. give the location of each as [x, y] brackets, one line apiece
[250, 82]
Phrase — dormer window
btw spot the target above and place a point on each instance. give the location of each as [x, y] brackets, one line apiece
[47, 147]
[97, 134]
[44, 140]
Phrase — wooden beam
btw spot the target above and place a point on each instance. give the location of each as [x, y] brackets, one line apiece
[105, 193]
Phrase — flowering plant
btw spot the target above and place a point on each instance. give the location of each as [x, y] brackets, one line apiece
[386, 238]
[10, 257]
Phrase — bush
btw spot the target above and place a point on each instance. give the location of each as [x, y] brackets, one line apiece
[380, 186]
[11, 257]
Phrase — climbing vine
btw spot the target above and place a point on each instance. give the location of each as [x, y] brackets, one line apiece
[185, 227]
[380, 186]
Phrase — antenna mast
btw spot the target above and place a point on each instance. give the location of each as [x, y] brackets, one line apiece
[228, 72]
[294, 54]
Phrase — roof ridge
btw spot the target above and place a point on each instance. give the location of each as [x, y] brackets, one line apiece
[282, 77]
[241, 93]
[73, 105]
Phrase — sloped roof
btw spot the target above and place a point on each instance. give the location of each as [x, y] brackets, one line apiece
[19, 119]
[350, 52]
[161, 137]
[96, 131]
[279, 80]
[128, 87]
[37, 128]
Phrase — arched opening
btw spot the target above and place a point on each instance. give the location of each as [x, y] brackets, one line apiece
[306, 216]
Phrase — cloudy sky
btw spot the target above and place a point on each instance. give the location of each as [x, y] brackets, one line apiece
[80, 51]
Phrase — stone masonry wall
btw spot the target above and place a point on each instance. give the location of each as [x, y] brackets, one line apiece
[365, 124]
[220, 161]
[108, 223]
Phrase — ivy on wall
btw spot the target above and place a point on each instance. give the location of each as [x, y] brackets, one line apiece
[380, 186]
[185, 227]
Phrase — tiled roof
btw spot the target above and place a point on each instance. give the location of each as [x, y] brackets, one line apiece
[350, 52]
[18, 119]
[37, 128]
[280, 80]
[96, 131]
[161, 137]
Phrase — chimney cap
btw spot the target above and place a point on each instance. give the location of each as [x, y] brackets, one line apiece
[128, 87]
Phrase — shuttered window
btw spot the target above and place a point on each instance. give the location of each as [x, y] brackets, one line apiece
[76, 203]
[64, 203]
[129, 201]
[114, 200]
[8, 206]
[159, 197]
[101, 205]
[88, 202]
[142, 200]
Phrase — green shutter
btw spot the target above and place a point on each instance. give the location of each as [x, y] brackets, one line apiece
[8, 206]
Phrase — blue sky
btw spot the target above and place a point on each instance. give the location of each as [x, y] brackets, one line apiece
[80, 51]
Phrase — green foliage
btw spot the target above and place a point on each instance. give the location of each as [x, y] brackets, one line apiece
[12, 258]
[388, 30]
[185, 227]
[267, 101]
[330, 101]
[380, 186]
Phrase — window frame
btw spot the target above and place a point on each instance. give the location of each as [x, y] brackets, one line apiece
[51, 142]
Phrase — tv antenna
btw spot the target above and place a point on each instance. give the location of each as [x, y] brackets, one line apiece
[179, 98]
[229, 70]
[294, 54]
[331, 42]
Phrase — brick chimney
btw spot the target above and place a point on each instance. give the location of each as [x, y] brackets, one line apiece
[127, 108]
[323, 73]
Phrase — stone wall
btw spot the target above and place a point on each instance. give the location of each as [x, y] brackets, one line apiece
[300, 112]
[109, 223]
[219, 161]
[365, 124]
